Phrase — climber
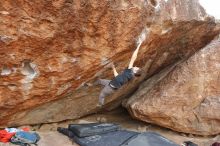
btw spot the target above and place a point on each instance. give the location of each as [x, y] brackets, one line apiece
[120, 79]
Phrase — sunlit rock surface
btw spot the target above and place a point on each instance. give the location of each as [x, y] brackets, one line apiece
[52, 51]
[184, 98]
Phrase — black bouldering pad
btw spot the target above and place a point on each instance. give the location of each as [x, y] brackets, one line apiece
[66, 132]
[115, 138]
[84, 130]
[149, 139]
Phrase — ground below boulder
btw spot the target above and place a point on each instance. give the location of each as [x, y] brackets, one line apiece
[50, 137]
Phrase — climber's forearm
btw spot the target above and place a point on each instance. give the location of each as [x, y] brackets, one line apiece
[114, 70]
[134, 57]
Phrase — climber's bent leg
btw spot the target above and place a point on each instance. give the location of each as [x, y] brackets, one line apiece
[103, 82]
[107, 90]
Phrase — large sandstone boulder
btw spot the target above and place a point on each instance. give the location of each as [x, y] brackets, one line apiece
[184, 98]
[51, 50]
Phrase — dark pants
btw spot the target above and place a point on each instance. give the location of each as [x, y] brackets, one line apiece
[107, 90]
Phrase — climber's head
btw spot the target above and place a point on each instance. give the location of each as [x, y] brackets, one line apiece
[136, 71]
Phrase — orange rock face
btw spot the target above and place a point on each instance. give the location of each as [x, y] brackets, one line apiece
[51, 50]
[186, 98]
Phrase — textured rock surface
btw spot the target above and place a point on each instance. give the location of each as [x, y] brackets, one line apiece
[50, 49]
[186, 99]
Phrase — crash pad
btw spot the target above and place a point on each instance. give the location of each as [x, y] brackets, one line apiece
[84, 130]
[148, 139]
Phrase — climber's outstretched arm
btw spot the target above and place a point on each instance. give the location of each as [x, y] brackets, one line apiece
[134, 57]
[114, 70]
